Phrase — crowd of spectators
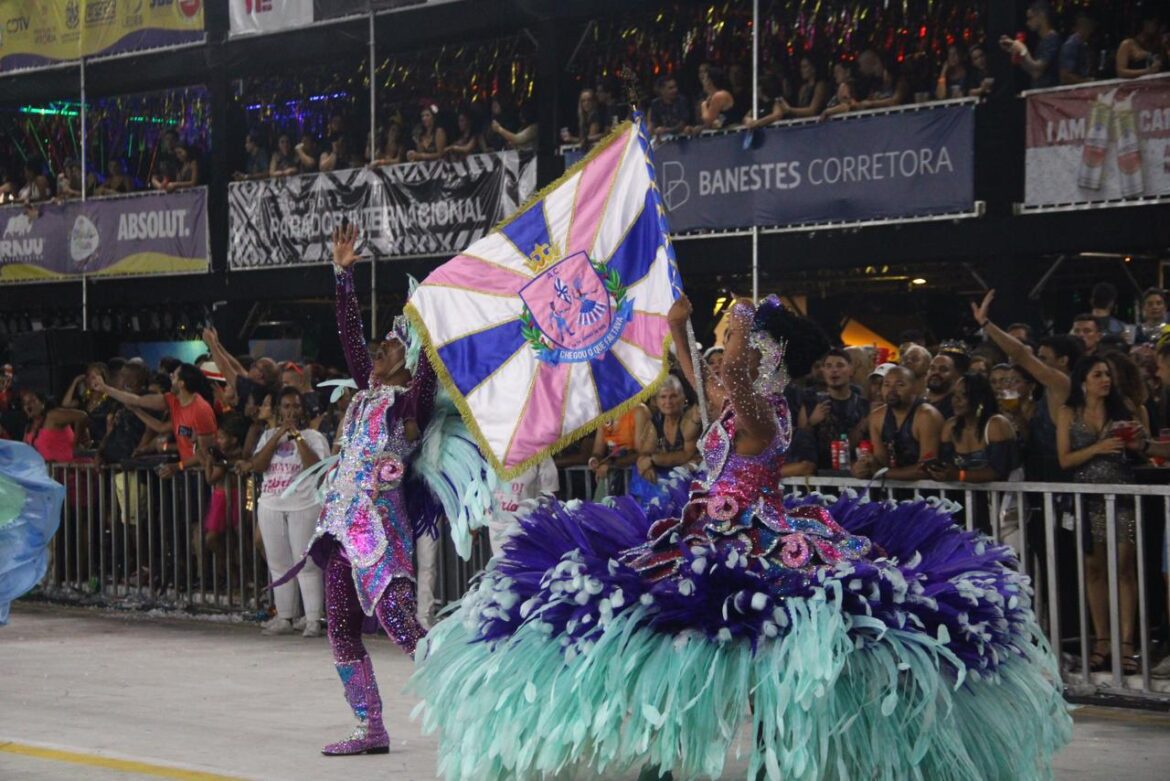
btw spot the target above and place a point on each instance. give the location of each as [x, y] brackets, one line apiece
[823, 85]
[185, 421]
[1086, 406]
[176, 166]
[431, 133]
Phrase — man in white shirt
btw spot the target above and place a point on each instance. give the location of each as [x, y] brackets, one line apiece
[536, 481]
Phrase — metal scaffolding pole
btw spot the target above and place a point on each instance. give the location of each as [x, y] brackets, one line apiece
[755, 105]
[373, 156]
[84, 180]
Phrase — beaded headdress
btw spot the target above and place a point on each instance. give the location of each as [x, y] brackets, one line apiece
[773, 374]
[402, 330]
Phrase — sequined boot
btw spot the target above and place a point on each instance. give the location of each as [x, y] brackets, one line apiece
[361, 692]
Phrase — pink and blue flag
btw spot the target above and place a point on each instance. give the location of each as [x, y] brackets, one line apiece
[556, 321]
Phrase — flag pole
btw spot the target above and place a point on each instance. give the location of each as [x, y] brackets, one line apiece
[692, 345]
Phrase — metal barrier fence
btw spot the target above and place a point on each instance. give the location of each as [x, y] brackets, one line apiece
[131, 539]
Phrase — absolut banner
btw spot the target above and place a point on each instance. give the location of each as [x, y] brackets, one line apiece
[431, 208]
[1105, 142]
[152, 233]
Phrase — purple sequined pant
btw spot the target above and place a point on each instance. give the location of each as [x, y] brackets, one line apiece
[396, 611]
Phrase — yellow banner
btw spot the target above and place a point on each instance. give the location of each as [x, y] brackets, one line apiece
[43, 32]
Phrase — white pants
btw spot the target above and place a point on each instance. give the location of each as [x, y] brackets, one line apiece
[499, 530]
[426, 551]
[285, 535]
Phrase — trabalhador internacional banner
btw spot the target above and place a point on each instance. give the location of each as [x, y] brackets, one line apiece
[145, 234]
[36, 33]
[1103, 142]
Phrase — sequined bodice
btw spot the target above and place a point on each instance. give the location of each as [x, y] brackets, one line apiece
[747, 478]
[740, 504]
[1098, 469]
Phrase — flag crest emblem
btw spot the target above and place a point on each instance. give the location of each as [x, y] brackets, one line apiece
[556, 321]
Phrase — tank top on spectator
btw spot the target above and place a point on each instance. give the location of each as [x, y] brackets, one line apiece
[658, 420]
[1140, 63]
[1003, 457]
[426, 144]
[284, 468]
[55, 445]
[188, 423]
[899, 440]
[944, 407]
[725, 119]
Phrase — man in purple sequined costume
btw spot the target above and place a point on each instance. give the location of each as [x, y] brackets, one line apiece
[364, 529]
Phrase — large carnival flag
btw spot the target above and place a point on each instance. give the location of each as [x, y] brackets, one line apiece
[556, 320]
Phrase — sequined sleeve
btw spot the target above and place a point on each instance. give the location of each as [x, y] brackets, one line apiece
[419, 402]
[349, 329]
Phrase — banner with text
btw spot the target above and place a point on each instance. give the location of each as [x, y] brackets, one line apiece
[893, 166]
[155, 233]
[43, 32]
[429, 208]
[1102, 142]
[250, 17]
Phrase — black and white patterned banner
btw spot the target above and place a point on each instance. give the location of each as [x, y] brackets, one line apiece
[430, 208]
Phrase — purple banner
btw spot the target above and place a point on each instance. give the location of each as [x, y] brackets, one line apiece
[154, 233]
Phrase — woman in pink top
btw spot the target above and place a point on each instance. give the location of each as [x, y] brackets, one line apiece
[52, 430]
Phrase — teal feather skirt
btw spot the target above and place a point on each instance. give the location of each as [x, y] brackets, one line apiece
[922, 662]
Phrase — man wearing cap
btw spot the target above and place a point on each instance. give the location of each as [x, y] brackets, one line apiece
[218, 386]
[875, 384]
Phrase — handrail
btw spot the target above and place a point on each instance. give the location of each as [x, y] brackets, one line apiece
[871, 112]
[1105, 83]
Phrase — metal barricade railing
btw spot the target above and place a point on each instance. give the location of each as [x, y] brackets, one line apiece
[1088, 597]
[131, 539]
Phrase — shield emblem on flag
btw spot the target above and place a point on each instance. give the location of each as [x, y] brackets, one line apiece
[556, 320]
[569, 303]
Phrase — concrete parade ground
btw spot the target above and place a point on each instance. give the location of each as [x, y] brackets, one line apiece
[89, 695]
